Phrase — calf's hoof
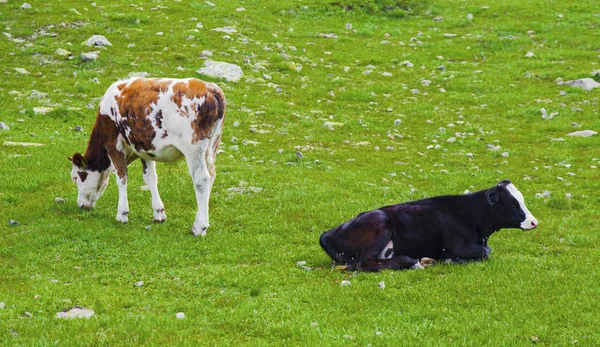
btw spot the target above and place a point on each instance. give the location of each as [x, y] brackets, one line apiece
[425, 262]
[123, 217]
[159, 215]
[199, 231]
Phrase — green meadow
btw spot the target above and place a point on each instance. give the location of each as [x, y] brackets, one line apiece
[345, 106]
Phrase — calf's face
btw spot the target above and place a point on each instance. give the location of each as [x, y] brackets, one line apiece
[508, 207]
[90, 184]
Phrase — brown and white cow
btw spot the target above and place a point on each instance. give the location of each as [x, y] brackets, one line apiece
[157, 119]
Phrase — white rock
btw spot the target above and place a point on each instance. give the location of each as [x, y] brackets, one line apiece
[59, 200]
[596, 73]
[160, 33]
[62, 52]
[329, 36]
[449, 35]
[568, 195]
[138, 284]
[42, 110]
[206, 53]
[387, 74]
[23, 144]
[349, 26]
[240, 9]
[583, 133]
[505, 154]
[76, 312]
[584, 83]
[226, 30]
[345, 283]
[209, 3]
[407, 63]
[451, 139]
[2, 305]
[3, 126]
[90, 56]
[398, 122]
[381, 285]
[230, 72]
[97, 41]
[529, 55]
[180, 315]
[141, 74]
[199, 25]
[470, 16]
[22, 71]
[332, 125]
[26, 6]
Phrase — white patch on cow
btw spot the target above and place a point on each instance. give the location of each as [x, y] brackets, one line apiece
[388, 247]
[530, 222]
[90, 189]
[417, 266]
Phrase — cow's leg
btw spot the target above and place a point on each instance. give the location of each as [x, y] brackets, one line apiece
[151, 180]
[466, 252]
[399, 262]
[120, 163]
[202, 186]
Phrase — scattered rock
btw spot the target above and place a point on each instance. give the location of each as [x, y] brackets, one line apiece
[449, 35]
[209, 3]
[26, 6]
[59, 200]
[398, 122]
[2, 305]
[407, 63]
[226, 30]
[90, 56]
[206, 54]
[180, 315]
[22, 71]
[240, 9]
[78, 128]
[348, 26]
[63, 52]
[529, 55]
[299, 154]
[583, 133]
[345, 283]
[76, 312]
[97, 41]
[329, 36]
[470, 16]
[3, 126]
[596, 73]
[381, 285]
[331, 125]
[505, 154]
[584, 83]
[142, 74]
[24, 144]
[568, 195]
[42, 110]
[13, 223]
[139, 284]
[451, 139]
[230, 72]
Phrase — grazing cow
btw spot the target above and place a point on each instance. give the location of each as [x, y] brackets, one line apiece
[411, 235]
[157, 119]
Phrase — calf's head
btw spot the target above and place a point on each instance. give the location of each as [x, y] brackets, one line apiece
[90, 183]
[508, 207]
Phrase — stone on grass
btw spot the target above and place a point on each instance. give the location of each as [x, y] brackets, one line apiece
[141, 74]
[596, 73]
[22, 71]
[470, 16]
[218, 69]
[59, 200]
[23, 144]
[90, 56]
[332, 125]
[3, 126]
[451, 139]
[584, 83]
[449, 35]
[13, 223]
[2, 305]
[583, 133]
[398, 122]
[226, 30]
[345, 283]
[381, 285]
[240, 9]
[42, 110]
[25, 6]
[529, 55]
[76, 312]
[62, 52]
[97, 41]
[206, 53]
[329, 36]
[139, 284]
[180, 315]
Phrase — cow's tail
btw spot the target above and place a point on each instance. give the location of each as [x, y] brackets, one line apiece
[325, 241]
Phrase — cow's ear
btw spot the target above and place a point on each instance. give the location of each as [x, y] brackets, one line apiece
[79, 160]
[492, 196]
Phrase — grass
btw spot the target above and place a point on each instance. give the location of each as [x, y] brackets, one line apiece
[240, 285]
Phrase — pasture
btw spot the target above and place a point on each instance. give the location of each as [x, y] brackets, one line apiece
[344, 106]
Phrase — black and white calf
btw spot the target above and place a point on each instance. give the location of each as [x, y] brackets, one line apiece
[450, 228]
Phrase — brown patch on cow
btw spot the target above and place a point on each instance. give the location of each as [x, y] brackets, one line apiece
[135, 102]
[121, 86]
[194, 88]
[207, 114]
[158, 118]
[144, 166]
[83, 175]
[164, 135]
[104, 133]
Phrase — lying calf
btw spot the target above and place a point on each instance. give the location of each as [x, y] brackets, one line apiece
[411, 235]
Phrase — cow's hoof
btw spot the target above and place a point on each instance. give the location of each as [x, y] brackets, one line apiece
[199, 231]
[425, 262]
[340, 268]
[123, 217]
[159, 215]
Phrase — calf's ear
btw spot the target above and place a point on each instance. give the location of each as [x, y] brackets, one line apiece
[79, 160]
[492, 196]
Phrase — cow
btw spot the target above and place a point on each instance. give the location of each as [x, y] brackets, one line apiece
[451, 228]
[155, 119]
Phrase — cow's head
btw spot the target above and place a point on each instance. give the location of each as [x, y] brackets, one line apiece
[90, 184]
[508, 207]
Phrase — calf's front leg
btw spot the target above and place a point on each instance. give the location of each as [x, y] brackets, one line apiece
[120, 164]
[151, 180]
